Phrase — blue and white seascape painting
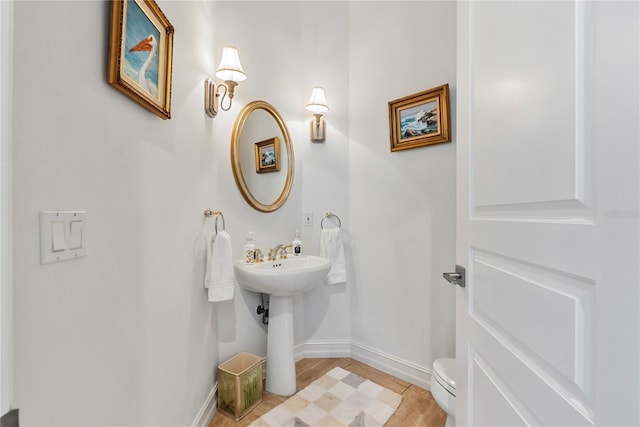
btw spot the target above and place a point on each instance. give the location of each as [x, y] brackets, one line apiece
[141, 49]
[420, 120]
[268, 156]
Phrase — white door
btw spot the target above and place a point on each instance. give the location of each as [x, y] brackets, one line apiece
[548, 226]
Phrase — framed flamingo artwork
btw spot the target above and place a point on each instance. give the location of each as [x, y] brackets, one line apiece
[140, 54]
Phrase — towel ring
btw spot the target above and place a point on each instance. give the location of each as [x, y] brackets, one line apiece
[329, 215]
[208, 213]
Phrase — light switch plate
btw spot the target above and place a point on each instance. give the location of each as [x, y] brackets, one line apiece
[58, 244]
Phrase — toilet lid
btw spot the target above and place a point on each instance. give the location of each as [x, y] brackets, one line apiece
[445, 371]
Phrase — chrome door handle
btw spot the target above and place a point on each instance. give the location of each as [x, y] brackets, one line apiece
[457, 278]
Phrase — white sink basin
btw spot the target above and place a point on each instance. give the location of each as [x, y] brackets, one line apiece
[284, 277]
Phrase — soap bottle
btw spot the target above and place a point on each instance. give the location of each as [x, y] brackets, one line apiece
[297, 245]
[249, 249]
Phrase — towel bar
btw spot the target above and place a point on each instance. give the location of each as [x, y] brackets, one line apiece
[208, 213]
[329, 215]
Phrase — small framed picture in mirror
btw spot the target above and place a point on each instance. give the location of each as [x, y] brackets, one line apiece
[268, 155]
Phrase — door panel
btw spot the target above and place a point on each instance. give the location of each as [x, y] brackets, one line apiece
[526, 65]
[562, 338]
[491, 405]
[538, 399]
[548, 224]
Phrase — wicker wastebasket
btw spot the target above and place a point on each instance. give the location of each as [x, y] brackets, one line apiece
[239, 385]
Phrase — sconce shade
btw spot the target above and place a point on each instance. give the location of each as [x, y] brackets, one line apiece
[230, 68]
[317, 103]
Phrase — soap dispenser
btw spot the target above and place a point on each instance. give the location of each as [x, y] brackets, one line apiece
[249, 249]
[297, 245]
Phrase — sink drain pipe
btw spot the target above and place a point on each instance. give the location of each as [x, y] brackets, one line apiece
[264, 309]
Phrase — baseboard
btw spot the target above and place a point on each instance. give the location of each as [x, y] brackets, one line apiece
[208, 410]
[403, 369]
[317, 349]
[298, 352]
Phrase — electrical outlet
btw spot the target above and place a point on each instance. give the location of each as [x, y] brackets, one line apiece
[307, 219]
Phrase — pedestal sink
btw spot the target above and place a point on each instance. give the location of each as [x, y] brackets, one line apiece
[282, 279]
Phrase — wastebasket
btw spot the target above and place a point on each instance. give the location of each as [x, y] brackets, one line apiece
[239, 385]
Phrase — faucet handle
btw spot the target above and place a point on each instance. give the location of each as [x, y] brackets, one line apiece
[283, 251]
[258, 256]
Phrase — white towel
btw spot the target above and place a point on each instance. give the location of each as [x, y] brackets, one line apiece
[331, 247]
[219, 279]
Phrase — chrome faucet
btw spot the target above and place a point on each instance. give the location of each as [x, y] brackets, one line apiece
[278, 251]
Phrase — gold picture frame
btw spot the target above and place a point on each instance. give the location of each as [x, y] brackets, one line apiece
[420, 119]
[140, 54]
[268, 155]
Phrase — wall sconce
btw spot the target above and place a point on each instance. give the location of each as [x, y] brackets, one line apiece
[317, 105]
[230, 70]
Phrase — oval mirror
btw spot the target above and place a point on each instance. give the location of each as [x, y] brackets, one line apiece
[262, 156]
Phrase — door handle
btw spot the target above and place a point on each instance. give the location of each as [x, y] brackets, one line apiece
[457, 278]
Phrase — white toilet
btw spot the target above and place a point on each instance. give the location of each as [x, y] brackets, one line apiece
[443, 387]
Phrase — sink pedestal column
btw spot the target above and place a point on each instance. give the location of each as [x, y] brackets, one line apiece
[281, 367]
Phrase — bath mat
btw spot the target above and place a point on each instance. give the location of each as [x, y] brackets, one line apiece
[338, 398]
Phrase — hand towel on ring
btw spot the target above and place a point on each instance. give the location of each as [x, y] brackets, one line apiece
[331, 247]
[219, 278]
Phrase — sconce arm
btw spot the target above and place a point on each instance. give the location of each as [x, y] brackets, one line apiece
[212, 93]
[229, 87]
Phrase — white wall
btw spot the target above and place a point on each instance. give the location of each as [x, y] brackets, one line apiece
[287, 48]
[402, 204]
[324, 50]
[399, 208]
[124, 336]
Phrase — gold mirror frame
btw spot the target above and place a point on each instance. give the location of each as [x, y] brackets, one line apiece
[235, 156]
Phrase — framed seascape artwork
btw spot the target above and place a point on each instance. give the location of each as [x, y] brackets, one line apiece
[420, 119]
[140, 54]
[268, 155]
